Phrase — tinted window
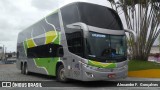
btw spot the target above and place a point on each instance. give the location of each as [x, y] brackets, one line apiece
[99, 16]
[74, 36]
[44, 51]
[70, 14]
[106, 48]
[75, 42]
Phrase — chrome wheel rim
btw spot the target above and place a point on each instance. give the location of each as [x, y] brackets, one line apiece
[26, 70]
[62, 77]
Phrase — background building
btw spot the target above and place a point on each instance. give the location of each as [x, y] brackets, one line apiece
[1, 52]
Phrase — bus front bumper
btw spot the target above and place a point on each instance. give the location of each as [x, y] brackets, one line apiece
[92, 74]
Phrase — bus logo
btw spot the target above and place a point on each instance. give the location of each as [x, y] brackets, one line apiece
[6, 84]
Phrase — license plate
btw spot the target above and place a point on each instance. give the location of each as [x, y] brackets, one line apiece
[111, 75]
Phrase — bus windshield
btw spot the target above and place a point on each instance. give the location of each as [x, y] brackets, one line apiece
[106, 48]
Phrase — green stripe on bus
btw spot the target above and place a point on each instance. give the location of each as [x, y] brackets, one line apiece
[48, 63]
[50, 36]
[57, 40]
[30, 43]
[101, 65]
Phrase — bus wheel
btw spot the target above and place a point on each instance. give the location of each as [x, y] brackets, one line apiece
[60, 74]
[26, 69]
[22, 69]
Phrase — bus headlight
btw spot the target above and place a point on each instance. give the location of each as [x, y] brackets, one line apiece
[89, 74]
[88, 66]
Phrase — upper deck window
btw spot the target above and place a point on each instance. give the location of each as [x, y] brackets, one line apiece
[99, 16]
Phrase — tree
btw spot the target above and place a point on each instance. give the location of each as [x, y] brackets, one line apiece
[142, 16]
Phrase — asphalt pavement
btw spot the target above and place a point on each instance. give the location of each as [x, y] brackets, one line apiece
[9, 72]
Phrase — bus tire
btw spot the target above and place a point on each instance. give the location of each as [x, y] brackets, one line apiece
[22, 69]
[26, 69]
[60, 74]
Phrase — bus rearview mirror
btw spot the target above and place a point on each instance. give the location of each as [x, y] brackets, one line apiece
[78, 25]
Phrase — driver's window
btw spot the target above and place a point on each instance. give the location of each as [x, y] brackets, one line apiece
[75, 42]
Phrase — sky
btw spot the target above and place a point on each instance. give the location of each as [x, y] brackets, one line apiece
[16, 15]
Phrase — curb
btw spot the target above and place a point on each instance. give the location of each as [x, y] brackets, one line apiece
[151, 73]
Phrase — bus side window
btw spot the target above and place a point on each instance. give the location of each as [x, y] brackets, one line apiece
[45, 51]
[75, 42]
[60, 51]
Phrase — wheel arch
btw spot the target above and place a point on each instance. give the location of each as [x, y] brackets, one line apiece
[57, 65]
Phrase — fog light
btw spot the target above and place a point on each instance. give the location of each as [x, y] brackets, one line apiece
[89, 74]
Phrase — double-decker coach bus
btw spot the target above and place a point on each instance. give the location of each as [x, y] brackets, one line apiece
[81, 41]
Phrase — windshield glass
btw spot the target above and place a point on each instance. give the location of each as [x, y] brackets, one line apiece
[106, 48]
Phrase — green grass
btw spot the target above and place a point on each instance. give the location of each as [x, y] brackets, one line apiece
[135, 65]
